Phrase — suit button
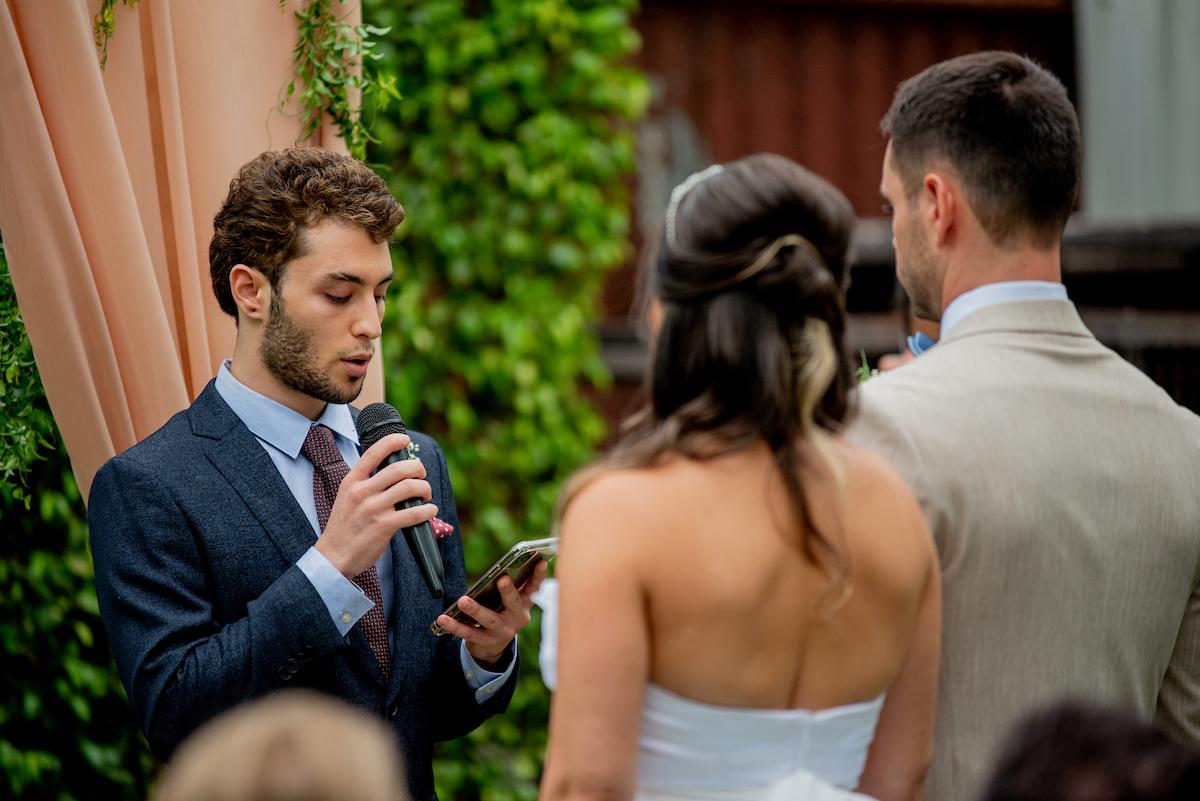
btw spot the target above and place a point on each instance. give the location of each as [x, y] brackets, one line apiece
[285, 674]
[307, 650]
[292, 664]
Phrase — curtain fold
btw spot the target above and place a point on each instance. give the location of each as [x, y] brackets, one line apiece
[109, 181]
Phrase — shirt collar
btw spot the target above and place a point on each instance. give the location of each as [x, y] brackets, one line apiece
[275, 423]
[968, 303]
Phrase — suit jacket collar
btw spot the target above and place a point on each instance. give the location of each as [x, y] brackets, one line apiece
[1026, 316]
[271, 421]
[991, 294]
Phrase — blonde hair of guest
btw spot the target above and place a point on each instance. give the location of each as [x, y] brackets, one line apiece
[291, 746]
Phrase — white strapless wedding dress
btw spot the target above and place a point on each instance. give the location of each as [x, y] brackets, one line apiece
[693, 751]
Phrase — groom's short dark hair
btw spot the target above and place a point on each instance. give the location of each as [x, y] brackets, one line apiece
[1008, 130]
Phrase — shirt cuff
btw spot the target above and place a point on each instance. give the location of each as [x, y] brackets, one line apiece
[485, 683]
[342, 597]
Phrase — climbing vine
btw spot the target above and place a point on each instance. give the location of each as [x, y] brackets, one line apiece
[335, 63]
[103, 26]
[334, 69]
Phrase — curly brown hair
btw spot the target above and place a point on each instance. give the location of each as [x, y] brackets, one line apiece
[275, 197]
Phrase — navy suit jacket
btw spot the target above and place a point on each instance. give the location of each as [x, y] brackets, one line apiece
[195, 538]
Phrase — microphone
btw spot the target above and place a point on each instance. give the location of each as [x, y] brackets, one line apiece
[374, 423]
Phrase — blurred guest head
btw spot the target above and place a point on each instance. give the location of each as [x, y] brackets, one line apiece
[290, 746]
[1078, 752]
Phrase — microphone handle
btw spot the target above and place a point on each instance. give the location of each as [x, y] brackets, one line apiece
[420, 537]
[424, 549]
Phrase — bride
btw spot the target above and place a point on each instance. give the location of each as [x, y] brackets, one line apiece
[748, 605]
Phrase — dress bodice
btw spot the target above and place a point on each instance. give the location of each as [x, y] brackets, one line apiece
[687, 744]
[691, 749]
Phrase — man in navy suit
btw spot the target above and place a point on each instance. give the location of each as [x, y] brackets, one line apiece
[222, 573]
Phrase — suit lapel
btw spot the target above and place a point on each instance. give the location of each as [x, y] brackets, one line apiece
[413, 609]
[400, 623]
[407, 623]
[243, 462]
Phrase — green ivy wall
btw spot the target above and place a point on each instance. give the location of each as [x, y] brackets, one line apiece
[512, 151]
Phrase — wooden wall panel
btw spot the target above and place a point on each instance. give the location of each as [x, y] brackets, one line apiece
[812, 80]
[809, 79]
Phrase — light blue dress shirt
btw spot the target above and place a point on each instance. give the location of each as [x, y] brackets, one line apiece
[968, 303]
[282, 431]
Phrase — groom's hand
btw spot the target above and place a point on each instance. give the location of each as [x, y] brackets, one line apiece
[488, 644]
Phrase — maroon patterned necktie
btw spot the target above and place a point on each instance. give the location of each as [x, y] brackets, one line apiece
[328, 471]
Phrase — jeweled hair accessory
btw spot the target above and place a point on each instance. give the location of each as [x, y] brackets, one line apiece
[677, 195]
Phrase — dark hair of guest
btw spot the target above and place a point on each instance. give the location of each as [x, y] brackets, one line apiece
[1083, 752]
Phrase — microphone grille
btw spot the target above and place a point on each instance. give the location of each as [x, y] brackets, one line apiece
[376, 421]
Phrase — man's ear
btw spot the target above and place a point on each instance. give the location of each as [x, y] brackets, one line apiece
[251, 292]
[654, 316]
[941, 198]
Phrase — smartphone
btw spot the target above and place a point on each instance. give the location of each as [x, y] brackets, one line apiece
[518, 564]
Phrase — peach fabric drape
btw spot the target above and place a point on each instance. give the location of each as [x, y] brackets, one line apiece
[109, 181]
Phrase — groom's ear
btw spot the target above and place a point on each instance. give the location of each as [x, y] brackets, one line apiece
[654, 315]
[940, 204]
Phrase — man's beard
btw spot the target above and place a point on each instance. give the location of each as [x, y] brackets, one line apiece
[921, 282]
[289, 354]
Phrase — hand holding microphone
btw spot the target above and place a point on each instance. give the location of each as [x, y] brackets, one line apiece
[383, 493]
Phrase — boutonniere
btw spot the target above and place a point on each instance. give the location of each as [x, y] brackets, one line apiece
[441, 529]
[413, 449]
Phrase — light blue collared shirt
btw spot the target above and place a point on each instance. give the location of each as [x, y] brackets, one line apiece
[282, 431]
[981, 297]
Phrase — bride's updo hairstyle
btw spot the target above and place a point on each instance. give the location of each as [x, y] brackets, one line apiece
[750, 271]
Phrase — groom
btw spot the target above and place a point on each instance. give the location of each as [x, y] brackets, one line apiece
[1059, 482]
[245, 546]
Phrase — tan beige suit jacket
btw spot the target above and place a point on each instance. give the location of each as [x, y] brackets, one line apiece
[1063, 489]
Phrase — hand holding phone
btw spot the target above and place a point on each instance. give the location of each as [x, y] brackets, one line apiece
[518, 564]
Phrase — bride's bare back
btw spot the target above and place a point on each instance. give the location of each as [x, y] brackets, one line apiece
[688, 575]
[736, 614]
